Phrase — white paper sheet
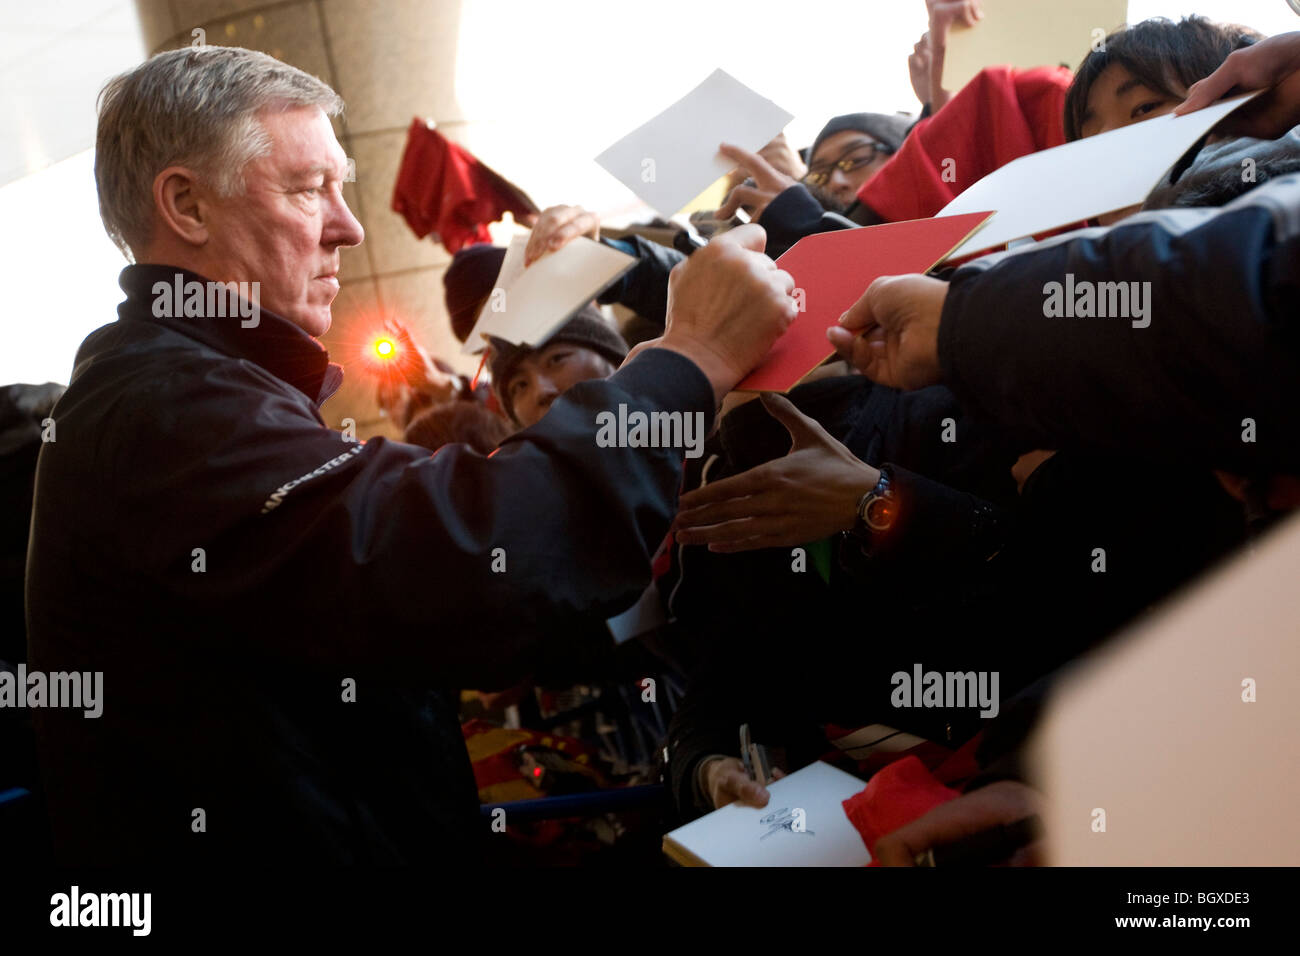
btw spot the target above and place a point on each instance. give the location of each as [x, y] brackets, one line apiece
[674, 157]
[738, 835]
[1027, 33]
[550, 291]
[1076, 181]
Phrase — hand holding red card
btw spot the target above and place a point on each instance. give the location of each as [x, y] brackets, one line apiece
[831, 270]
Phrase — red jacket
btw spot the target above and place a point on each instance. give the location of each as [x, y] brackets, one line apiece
[1000, 115]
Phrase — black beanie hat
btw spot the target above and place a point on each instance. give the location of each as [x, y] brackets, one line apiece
[469, 280]
[588, 328]
[888, 130]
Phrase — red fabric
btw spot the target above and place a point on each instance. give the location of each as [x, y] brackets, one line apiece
[1000, 115]
[443, 189]
[897, 795]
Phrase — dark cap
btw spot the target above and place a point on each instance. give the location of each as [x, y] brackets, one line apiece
[887, 130]
[588, 328]
[469, 280]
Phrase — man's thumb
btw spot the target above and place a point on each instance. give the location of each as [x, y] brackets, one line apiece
[801, 428]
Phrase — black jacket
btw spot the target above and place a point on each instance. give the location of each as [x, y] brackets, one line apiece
[1222, 344]
[325, 560]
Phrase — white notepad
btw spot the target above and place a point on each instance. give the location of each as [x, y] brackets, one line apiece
[548, 293]
[803, 824]
[1080, 180]
[674, 157]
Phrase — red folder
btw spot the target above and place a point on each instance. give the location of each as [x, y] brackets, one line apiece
[833, 269]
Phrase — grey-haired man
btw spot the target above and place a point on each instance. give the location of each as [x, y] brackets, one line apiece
[282, 615]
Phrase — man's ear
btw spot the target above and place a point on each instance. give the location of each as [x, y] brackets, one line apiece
[179, 201]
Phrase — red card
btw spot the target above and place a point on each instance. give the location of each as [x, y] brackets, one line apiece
[833, 269]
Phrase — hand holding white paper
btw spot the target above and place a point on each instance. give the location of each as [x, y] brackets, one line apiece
[674, 157]
[550, 291]
[1077, 181]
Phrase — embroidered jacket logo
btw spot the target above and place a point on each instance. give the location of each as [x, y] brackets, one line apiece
[277, 496]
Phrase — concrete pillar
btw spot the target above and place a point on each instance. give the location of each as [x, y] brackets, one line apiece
[390, 60]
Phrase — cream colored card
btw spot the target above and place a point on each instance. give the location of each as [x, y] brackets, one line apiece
[1028, 33]
[1177, 747]
[1076, 181]
[548, 293]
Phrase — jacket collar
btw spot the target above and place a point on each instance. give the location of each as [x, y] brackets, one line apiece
[275, 343]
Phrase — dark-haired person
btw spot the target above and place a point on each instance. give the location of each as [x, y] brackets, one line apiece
[528, 380]
[472, 275]
[1272, 65]
[458, 422]
[848, 151]
[1146, 70]
[941, 156]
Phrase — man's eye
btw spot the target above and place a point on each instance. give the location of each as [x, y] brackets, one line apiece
[558, 357]
[1144, 108]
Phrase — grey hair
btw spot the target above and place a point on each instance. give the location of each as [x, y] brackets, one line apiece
[194, 107]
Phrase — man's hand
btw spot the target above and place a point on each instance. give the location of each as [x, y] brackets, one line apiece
[727, 304]
[898, 318]
[943, 14]
[769, 182]
[1272, 64]
[557, 227]
[809, 494]
[1006, 801]
[724, 781]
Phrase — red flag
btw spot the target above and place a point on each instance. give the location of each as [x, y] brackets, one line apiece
[444, 190]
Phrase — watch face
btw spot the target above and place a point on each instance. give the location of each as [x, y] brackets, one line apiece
[878, 514]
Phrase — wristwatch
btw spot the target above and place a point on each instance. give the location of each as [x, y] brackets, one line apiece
[876, 509]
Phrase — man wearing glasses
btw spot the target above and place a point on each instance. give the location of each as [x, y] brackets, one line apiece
[848, 151]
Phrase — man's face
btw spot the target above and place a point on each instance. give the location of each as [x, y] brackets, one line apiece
[547, 374]
[857, 148]
[285, 231]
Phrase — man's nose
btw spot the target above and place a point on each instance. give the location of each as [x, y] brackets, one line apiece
[546, 391]
[342, 228]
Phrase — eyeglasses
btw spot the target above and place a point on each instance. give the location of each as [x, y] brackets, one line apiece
[855, 158]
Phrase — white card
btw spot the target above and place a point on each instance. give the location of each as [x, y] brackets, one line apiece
[1077, 181]
[512, 267]
[674, 157]
[1028, 33]
[550, 291]
[803, 824]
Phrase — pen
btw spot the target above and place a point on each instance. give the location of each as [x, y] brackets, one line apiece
[984, 848]
[685, 243]
[744, 751]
